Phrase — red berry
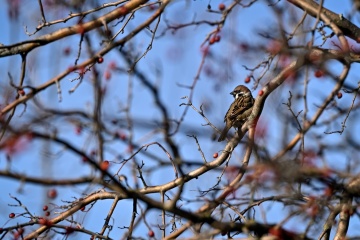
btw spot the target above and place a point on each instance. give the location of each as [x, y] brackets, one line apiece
[100, 60]
[122, 136]
[221, 7]
[47, 213]
[80, 29]
[122, 11]
[52, 193]
[104, 165]
[212, 40]
[151, 233]
[78, 130]
[275, 231]
[11, 215]
[261, 92]
[151, 7]
[21, 92]
[67, 51]
[215, 155]
[339, 95]
[319, 73]
[217, 38]
[130, 149]
[44, 221]
[69, 230]
[107, 75]
[112, 65]
[274, 47]
[20, 231]
[45, 208]
[247, 79]
[244, 47]
[82, 208]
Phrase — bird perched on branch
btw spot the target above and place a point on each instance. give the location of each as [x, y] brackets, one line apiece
[238, 111]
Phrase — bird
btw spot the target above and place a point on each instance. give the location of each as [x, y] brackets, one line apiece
[238, 111]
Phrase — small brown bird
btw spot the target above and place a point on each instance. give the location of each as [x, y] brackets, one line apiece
[237, 114]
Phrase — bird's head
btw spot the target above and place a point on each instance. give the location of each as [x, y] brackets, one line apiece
[241, 91]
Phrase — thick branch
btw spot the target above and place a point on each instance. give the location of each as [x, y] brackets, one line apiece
[27, 46]
[311, 7]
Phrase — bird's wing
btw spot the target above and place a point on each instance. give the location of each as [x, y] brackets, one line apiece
[239, 106]
[232, 109]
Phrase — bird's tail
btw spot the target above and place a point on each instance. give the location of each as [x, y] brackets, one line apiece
[223, 134]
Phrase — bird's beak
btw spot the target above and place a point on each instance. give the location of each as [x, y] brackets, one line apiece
[232, 93]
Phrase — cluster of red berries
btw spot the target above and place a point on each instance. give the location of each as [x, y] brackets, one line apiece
[214, 39]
